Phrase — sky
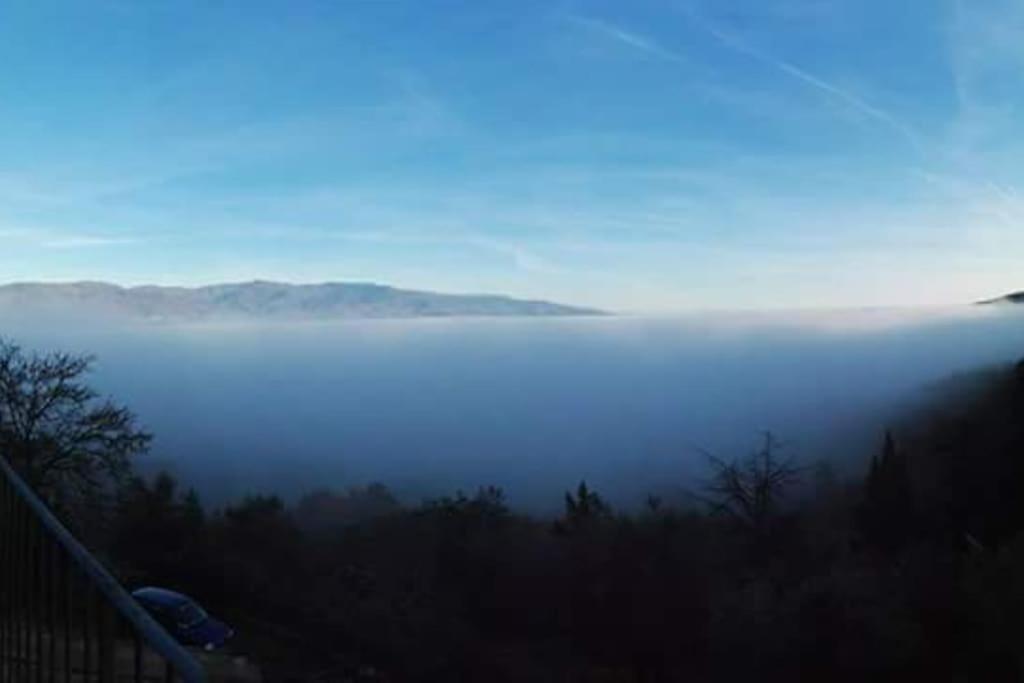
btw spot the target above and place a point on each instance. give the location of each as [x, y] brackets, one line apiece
[656, 155]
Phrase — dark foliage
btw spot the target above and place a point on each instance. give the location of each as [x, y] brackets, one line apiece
[914, 573]
[887, 513]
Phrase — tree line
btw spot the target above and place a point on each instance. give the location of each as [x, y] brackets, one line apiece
[914, 570]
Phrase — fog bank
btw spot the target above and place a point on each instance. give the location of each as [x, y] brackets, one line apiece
[532, 405]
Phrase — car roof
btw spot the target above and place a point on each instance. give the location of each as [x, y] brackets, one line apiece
[160, 596]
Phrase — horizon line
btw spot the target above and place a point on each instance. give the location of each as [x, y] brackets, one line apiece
[1004, 298]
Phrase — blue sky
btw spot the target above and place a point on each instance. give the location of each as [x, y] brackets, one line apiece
[645, 156]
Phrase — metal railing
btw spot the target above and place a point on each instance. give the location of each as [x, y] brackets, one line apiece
[63, 617]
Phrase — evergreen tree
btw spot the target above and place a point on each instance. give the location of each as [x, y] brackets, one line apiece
[887, 510]
[584, 509]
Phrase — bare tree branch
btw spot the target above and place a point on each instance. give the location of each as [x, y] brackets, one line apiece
[54, 429]
[750, 490]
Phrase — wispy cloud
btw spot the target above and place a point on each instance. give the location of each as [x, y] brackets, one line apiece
[980, 150]
[987, 36]
[51, 237]
[986, 51]
[836, 92]
[843, 95]
[84, 242]
[76, 185]
[624, 37]
[525, 260]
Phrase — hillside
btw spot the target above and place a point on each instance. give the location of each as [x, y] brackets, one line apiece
[262, 300]
[1015, 298]
[912, 572]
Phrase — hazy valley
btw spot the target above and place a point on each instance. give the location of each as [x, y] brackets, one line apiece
[535, 405]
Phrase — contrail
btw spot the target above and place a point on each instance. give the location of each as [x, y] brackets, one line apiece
[810, 79]
[626, 37]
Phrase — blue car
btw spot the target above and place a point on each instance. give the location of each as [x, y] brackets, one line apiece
[183, 618]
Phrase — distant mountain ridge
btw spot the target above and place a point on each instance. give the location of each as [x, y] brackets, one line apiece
[264, 300]
[1015, 298]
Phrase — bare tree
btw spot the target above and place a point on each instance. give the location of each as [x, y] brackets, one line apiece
[751, 490]
[56, 431]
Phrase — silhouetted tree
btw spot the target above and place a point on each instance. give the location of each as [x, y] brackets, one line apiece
[261, 540]
[55, 430]
[1018, 386]
[750, 491]
[887, 511]
[325, 511]
[462, 588]
[489, 501]
[158, 535]
[584, 509]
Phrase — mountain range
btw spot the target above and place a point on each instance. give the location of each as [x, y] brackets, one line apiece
[262, 300]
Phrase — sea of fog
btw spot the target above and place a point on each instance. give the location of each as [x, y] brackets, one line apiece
[531, 405]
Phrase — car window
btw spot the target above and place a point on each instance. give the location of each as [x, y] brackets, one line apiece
[153, 607]
[189, 614]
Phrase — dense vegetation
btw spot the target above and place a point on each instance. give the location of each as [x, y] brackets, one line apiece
[777, 571]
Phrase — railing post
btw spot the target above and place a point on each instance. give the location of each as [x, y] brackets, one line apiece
[23, 570]
[69, 615]
[5, 587]
[5, 575]
[46, 577]
[51, 611]
[87, 628]
[107, 647]
[37, 610]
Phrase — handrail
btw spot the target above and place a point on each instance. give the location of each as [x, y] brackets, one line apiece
[180, 664]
